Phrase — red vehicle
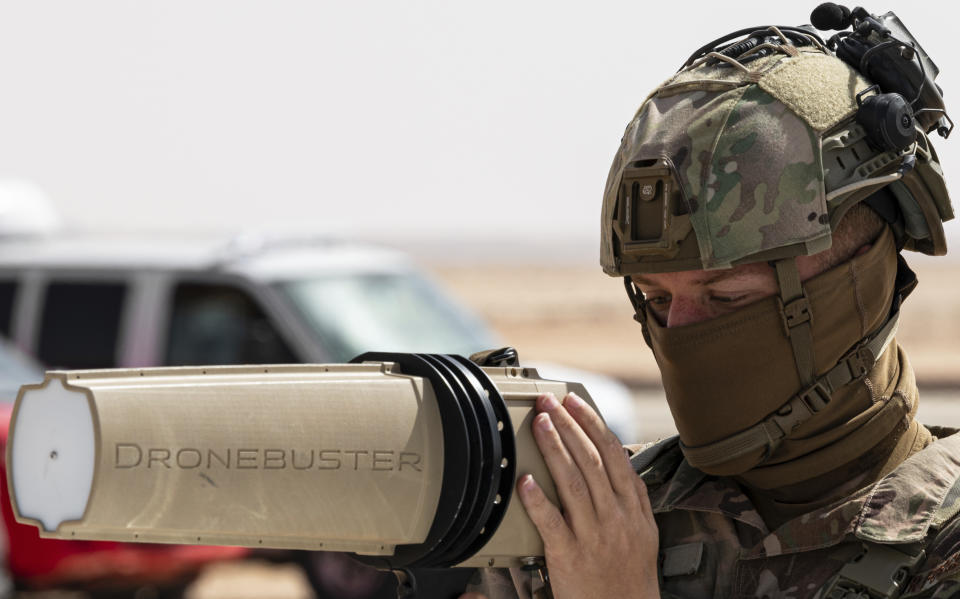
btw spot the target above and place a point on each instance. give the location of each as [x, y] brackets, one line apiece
[106, 568]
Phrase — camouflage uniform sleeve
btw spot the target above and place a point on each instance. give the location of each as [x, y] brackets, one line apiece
[939, 576]
[939, 583]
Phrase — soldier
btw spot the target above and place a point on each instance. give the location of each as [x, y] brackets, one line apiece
[756, 210]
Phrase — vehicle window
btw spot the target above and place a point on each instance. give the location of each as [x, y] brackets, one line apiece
[219, 324]
[7, 291]
[403, 312]
[79, 325]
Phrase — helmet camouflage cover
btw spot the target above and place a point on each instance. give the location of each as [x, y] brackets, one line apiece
[731, 162]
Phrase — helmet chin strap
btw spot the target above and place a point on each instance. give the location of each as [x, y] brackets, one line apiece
[639, 308]
[797, 318]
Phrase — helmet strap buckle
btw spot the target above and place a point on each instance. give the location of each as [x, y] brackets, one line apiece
[797, 318]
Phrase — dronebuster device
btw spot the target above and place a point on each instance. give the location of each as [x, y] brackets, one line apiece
[407, 460]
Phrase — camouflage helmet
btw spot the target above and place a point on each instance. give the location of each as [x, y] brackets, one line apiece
[739, 159]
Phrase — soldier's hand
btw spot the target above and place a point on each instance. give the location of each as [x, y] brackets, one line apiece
[604, 543]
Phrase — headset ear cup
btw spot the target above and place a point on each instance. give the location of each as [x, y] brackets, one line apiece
[888, 120]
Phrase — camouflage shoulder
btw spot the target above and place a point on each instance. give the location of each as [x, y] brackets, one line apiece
[939, 575]
[656, 462]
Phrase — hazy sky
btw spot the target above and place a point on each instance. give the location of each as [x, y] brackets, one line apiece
[481, 120]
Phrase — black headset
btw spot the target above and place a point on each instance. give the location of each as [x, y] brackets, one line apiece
[871, 48]
[883, 51]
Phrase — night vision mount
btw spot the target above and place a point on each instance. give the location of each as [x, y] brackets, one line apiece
[885, 52]
[881, 48]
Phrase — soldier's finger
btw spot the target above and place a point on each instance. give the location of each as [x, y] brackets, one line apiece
[583, 451]
[620, 474]
[645, 507]
[571, 486]
[546, 517]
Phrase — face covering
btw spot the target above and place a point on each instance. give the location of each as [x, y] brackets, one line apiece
[735, 376]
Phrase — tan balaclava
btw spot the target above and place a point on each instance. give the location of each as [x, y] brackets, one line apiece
[733, 379]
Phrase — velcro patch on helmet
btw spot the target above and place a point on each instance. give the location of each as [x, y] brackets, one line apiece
[818, 88]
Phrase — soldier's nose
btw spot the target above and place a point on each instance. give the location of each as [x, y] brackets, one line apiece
[686, 311]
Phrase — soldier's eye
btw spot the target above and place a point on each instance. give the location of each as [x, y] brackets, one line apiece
[658, 300]
[727, 299]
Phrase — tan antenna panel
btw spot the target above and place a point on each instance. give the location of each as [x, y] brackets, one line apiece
[410, 460]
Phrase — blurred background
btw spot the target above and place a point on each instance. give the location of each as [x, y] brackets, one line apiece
[474, 138]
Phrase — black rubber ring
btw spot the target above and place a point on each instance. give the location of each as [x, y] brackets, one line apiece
[480, 449]
[487, 473]
[508, 450]
[456, 457]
